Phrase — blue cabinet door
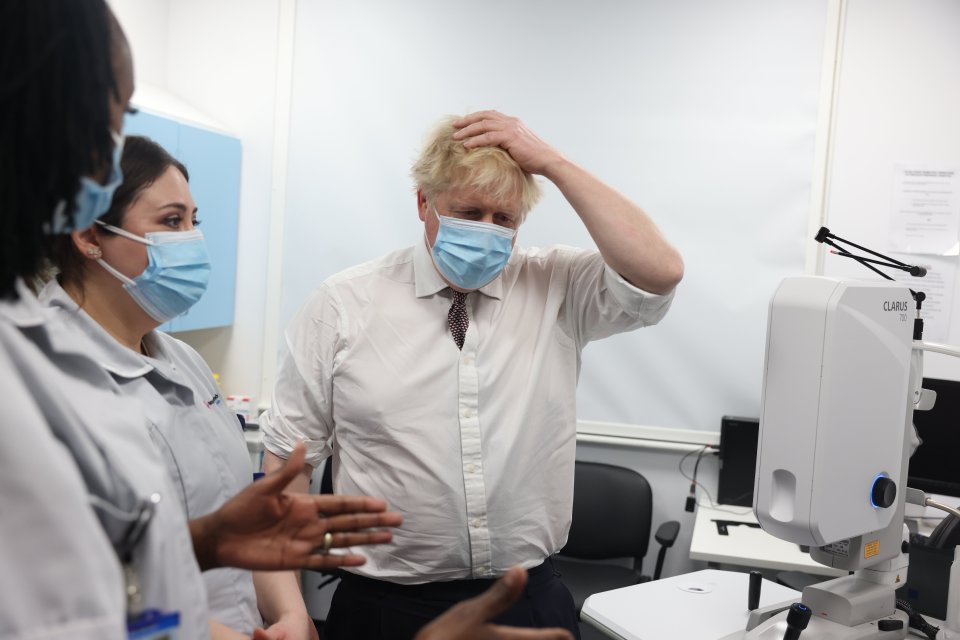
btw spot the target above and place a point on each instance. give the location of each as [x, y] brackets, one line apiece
[213, 161]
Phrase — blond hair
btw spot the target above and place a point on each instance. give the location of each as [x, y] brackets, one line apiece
[444, 164]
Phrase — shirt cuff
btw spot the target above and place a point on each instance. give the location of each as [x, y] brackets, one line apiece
[282, 444]
[634, 298]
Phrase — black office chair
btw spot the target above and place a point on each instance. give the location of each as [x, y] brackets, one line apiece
[612, 512]
[947, 533]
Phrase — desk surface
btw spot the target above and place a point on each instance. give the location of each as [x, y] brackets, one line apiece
[702, 605]
[747, 546]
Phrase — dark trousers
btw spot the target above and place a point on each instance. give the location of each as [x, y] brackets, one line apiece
[365, 608]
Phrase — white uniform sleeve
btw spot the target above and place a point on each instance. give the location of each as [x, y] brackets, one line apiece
[600, 303]
[302, 407]
[61, 577]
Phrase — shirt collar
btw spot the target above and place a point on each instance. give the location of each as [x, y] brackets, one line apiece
[106, 351]
[429, 281]
[26, 311]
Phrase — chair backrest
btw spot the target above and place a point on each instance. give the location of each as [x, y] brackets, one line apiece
[612, 511]
[947, 533]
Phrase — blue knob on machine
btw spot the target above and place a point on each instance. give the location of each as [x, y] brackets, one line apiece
[883, 493]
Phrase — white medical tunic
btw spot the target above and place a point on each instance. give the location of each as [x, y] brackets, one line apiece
[474, 447]
[60, 577]
[200, 440]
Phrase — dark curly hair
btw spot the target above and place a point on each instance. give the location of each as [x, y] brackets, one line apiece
[56, 82]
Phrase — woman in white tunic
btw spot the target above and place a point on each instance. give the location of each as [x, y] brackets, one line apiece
[92, 533]
[113, 287]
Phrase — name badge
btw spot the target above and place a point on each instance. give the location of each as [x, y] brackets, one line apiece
[153, 624]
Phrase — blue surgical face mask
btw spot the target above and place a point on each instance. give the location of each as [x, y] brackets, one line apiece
[93, 199]
[470, 254]
[176, 275]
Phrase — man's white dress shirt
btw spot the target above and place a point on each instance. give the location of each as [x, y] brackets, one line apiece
[475, 448]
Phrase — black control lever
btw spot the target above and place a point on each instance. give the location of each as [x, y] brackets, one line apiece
[753, 594]
[798, 617]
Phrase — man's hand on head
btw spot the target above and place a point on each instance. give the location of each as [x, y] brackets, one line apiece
[494, 129]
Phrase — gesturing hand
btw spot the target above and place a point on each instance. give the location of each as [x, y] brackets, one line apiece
[263, 528]
[469, 620]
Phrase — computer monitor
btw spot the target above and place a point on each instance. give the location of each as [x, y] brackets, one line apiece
[933, 466]
[738, 460]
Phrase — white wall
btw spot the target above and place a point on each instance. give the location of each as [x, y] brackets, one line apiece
[703, 112]
[145, 23]
[221, 57]
[898, 102]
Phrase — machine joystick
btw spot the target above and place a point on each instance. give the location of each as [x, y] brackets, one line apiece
[798, 616]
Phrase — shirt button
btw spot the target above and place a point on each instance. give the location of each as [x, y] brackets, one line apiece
[467, 413]
[468, 360]
[476, 523]
[471, 468]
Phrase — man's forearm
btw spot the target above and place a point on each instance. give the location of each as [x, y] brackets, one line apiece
[279, 596]
[300, 484]
[628, 239]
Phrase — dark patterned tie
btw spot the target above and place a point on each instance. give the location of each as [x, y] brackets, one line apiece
[457, 318]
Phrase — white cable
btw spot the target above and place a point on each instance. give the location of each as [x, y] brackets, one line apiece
[915, 496]
[942, 507]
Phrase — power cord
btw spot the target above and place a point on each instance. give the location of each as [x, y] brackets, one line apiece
[692, 498]
[917, 621]
[694, 483]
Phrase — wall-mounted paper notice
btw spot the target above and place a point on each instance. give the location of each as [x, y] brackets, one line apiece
[926, 211]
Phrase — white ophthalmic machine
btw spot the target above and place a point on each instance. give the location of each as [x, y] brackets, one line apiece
[842, 378]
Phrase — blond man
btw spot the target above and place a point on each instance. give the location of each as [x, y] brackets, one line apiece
[442, 376]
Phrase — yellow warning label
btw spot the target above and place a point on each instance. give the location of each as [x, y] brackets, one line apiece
[871, 549]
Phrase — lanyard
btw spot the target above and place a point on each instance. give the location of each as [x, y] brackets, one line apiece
[137, 521]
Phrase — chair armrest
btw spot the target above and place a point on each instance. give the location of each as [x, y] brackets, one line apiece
[667, 533]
